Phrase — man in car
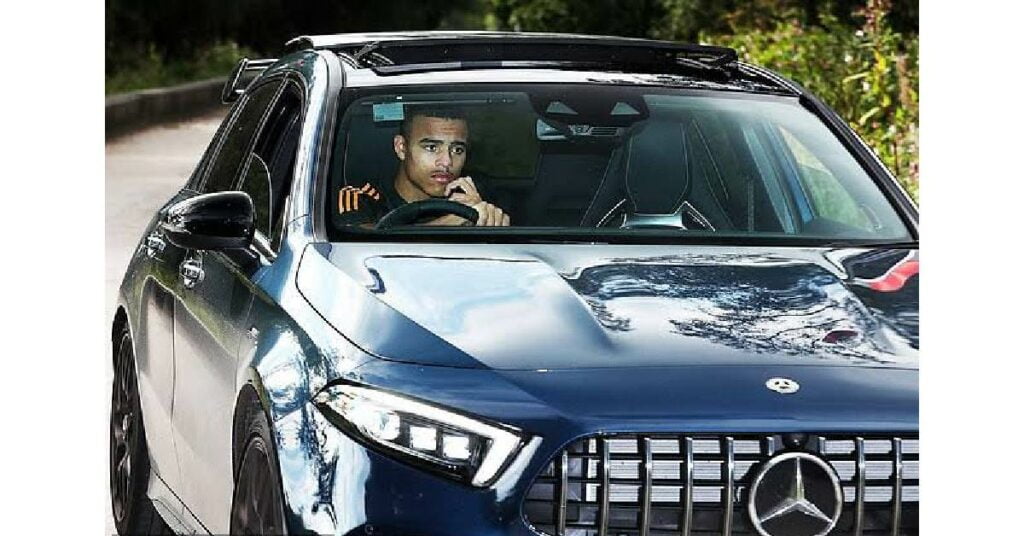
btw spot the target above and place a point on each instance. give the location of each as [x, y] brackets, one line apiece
[431, 147]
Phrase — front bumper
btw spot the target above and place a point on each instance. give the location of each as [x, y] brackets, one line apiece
[334, 484]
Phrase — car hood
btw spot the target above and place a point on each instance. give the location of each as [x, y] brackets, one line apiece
[560, 306]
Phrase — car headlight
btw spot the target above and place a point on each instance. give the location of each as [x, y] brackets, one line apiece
[440, 440]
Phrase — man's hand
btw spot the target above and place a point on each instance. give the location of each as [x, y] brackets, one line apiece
[490, 215]
[463, 190]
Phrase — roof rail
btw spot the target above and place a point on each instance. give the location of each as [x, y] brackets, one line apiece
[241, 76]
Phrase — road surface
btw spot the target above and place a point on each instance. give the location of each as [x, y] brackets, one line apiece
[143, 171]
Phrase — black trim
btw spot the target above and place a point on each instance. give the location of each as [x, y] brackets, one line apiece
[498, 46]
[557, 235]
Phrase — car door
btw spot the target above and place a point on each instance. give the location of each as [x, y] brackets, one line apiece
[154, 344]
[154, 338]
[217, 288]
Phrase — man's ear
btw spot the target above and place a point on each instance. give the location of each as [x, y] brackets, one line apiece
[399, 143]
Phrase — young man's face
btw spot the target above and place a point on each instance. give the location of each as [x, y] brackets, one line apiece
[432, 156]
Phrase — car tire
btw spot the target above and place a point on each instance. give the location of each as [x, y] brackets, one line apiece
[257, 505]
[132, 510]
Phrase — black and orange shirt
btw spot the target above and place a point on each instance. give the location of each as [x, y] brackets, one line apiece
[358, 205]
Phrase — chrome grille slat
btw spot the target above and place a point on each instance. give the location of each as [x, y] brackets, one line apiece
[730, 467]
[690, 484]
[605, 490]
[563, 492]
[645, 508]
[858, 523]
[897, 489]
[687, 513]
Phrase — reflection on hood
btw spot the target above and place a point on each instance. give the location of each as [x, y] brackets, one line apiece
[557, 306]
[753, 303]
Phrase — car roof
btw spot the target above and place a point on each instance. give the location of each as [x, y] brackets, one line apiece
[399, 58]
[334, 41]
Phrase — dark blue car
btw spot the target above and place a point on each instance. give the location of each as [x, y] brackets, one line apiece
[471, 284]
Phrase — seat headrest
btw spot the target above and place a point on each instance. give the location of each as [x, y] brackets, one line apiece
[657, 176]
[370, 154]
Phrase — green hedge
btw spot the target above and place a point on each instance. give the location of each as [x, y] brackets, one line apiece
[150, 69]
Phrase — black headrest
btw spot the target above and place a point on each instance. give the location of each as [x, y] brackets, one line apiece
[656, 172]
[370, 154]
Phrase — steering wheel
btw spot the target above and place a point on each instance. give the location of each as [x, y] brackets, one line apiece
[412, 212]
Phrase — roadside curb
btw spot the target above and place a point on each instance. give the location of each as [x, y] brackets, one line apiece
[127, 112]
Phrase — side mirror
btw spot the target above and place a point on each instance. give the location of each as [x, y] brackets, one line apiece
[220, 220]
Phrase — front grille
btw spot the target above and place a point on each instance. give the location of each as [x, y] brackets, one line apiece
[660, 484]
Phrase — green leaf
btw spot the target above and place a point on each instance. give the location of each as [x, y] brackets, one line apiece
[854, 77]
[868, 115]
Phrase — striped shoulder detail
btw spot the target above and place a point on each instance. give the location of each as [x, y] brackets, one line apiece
[349, 197]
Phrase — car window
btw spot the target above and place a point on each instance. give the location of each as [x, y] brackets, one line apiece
[256, 183]
[603, 160]
[199, 173]
[269, 167]
[828, 197]
[226, 166]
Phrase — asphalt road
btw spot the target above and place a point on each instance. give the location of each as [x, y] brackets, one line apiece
[143, 171]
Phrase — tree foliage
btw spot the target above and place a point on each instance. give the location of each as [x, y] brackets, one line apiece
[859, 56]
[868, 75]
[182, 29]
[631, 18]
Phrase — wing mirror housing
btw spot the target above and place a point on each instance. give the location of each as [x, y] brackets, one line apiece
[219, 220]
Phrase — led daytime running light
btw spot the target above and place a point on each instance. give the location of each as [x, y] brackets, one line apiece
[451, 443]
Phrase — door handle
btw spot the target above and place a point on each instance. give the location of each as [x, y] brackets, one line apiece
[155, 245]
[191, 272]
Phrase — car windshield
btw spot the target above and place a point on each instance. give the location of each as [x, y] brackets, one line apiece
[585, 161]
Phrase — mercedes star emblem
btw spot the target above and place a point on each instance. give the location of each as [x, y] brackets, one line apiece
[795, 494]
[784, 386]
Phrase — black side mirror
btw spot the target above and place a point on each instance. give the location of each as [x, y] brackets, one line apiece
[220, 220]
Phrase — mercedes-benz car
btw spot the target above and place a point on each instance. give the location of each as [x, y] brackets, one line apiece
[478, 283]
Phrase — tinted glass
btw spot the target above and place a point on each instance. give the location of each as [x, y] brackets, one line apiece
[269, 167]
[256, 183]
[237, 143]
[277, 146]
[610, 161]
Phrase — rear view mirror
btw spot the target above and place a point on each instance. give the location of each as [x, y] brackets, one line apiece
[220, 220]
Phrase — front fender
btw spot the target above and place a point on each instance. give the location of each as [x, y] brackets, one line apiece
[290, 354]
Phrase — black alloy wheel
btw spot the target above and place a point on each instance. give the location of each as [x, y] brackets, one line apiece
[258, 507]
[129, 460]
